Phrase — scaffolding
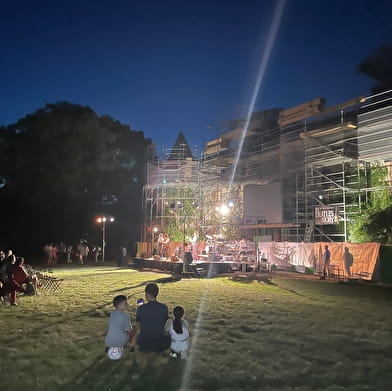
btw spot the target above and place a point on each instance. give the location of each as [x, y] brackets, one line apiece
[321, 157]
[172, 192]
[340, 146]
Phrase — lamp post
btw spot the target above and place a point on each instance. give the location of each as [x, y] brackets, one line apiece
[103, 220]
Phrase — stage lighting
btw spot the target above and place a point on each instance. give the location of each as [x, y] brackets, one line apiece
[224, 210]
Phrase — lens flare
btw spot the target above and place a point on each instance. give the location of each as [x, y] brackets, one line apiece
[260, 76]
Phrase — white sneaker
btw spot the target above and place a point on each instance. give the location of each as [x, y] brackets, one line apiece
[173, 354]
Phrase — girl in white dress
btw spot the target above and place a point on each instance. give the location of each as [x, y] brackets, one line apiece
[179, 332]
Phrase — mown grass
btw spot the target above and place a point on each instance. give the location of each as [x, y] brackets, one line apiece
[282, 335]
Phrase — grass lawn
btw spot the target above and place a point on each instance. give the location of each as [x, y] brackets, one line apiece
[289, 334]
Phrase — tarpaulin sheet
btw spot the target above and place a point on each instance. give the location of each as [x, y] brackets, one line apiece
[284, 254]
[354, 260]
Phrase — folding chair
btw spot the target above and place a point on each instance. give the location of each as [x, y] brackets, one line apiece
[42, 279]
[56, 284]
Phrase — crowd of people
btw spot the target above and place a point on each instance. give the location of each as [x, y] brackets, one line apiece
[15, 277]
[63, 253]
[154, 332]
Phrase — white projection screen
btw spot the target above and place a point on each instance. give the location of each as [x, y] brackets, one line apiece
[263, 202]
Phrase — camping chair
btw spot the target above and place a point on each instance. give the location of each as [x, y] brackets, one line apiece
[42, 279]
[54, 283]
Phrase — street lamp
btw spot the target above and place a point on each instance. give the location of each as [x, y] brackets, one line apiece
[103, 220]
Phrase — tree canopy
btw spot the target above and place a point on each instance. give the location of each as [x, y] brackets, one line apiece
[378, 66]
[63, 165]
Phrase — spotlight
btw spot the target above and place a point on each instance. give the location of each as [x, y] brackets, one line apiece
[224, 210]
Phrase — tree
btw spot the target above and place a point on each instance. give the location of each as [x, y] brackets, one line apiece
[379, 225]
[373, 223]
[63, 165]
[378, 66]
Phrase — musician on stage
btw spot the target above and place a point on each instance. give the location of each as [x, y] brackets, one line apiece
[242, 251]
[160, 244]
[193, 241]
[165, 245]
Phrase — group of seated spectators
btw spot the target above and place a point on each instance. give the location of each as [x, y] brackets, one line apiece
[14, 278]
[154, 331]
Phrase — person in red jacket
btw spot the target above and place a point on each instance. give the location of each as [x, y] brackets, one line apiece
[18, 277]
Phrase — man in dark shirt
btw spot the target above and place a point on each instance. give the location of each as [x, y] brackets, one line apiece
[152, 318]
[327, 261]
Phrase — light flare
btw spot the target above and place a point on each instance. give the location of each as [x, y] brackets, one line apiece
[263, 66]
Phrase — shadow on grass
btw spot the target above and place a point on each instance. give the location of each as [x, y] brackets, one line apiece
[164, 280]
[136, 372]
[287, 289]
[267, 280]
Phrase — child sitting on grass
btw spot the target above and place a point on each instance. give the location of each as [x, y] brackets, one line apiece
[179, 332]
[120, 331]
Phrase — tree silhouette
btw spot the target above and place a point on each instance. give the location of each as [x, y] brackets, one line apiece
[63, 164]
[378, 66]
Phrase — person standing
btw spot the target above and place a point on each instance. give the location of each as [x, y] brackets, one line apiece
[97, 252]
[48, 253]
[194, 240]
[165, 245]
[160, 244]
[54, 254]
[326, 262]
[69, 254]
[85, 252]
[348, 260]
[80, 252]
[62, 250]
[151, 318]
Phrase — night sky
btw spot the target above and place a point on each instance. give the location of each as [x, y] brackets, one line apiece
[166, 66]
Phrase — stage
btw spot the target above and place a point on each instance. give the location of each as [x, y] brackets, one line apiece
[203, 268]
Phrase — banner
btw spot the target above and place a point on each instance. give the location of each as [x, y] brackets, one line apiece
[326, 215]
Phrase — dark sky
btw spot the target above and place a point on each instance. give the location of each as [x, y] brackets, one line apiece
[164, 66]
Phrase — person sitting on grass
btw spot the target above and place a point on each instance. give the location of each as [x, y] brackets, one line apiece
[179, 332]
[120, 331]
[151, 318]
